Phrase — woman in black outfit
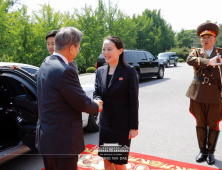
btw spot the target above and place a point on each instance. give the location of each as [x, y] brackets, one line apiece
[116, 85]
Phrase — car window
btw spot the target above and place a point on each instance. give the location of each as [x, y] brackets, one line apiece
[163, 56]
[149, 56]
[130, 57]
[18, 89]
[142, 56]
[32, 71]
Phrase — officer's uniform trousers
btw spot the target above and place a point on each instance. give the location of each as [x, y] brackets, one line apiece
[206, 114]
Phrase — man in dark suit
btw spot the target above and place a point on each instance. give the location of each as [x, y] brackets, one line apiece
[205, 91]
[59, 133]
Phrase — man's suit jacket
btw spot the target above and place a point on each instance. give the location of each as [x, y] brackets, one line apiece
[61, 100]
[204, 93]
[120, 97]
[72, 64]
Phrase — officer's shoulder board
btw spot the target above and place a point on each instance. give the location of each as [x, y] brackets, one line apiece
[194, 51]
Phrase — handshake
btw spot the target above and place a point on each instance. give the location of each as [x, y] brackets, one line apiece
[216, 61]
[100, 104]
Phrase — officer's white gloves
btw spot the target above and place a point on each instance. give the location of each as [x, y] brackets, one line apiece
[215, 61]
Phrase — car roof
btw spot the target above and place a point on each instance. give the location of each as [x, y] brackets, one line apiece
[135, 51]
[9, 64]
[168, 53]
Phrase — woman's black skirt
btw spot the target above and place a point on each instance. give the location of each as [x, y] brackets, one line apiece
[114, 144]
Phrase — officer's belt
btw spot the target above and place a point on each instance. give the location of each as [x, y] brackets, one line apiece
[207, 80]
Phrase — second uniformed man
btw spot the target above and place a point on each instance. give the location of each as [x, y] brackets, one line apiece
[205, 91]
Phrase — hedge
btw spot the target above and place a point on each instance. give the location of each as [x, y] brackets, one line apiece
[181, 60]
[181, 52]
[90, 70]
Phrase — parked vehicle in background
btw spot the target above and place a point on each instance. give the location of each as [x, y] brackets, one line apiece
[19, 110]
[145, 63]
[168, 58]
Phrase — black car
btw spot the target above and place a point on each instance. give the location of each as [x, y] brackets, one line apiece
[19, 110]
[168, 58]
[145, 63]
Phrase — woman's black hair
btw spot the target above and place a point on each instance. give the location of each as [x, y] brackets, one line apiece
[119, 44]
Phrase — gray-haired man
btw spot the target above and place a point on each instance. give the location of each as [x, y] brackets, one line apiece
[59, 133]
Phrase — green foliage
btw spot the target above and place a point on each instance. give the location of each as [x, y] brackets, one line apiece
[181, 60]
[181, 52]
[186, 38]
[5, 58]
[91, 70]
[5, 37]
[23, 35]
[153, 33]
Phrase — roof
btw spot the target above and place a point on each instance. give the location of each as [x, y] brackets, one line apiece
[168, 53]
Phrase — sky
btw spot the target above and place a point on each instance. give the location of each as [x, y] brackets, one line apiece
[186, 14]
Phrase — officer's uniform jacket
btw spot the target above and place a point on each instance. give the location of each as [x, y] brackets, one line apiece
[206, 85]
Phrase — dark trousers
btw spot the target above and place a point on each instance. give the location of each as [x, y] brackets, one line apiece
[60, 163]
[206, 114]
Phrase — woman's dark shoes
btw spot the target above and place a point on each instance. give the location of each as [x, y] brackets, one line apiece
[210, 159]
[202, 156]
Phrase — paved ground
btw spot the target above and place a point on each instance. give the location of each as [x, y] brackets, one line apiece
[166, 128]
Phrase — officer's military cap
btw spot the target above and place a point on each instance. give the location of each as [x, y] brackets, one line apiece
[207, 28]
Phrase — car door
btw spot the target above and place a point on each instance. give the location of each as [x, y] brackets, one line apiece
[22, 89]
[171, 59]
[144, 63]
[175, 58]
[153, 65]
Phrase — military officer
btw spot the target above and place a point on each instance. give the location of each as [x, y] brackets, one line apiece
[205, 90]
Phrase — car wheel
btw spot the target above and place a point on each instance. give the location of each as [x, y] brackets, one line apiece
[138, 75]
[168, 64]
[175, 64]
[93, 123]
[160, 73]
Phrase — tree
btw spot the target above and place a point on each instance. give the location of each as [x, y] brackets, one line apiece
[88, 23]
[185, 38]
[153, 34]
[7, 19]
[23, 36]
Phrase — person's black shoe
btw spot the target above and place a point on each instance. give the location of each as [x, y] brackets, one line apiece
[212, 142]
[202, 156]
[210, 159]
